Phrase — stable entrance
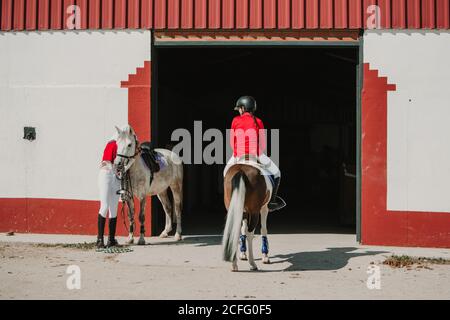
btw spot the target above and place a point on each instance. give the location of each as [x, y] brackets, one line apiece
[309, 93]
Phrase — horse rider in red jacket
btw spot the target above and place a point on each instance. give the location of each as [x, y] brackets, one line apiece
[253, 145]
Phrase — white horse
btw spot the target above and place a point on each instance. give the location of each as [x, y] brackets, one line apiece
[171, 176]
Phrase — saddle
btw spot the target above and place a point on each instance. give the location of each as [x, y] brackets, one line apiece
[148, 154]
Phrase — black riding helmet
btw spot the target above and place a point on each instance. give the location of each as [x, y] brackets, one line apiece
[248, 102]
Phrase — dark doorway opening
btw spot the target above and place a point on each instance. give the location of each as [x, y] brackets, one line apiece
[308, 93]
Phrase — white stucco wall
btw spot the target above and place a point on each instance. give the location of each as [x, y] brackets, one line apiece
[418, 146]
[67, 85]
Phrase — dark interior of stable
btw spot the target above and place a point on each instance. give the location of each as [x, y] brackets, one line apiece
[309, 94]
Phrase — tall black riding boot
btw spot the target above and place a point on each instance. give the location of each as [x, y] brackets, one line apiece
[112, 242]
[101, 229]
[276, 202]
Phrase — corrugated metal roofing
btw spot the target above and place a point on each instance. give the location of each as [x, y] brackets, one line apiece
[223, 14]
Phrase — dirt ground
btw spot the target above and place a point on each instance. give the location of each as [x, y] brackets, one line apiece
[304, 266]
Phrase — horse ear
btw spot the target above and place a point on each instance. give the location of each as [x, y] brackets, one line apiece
[118, 130]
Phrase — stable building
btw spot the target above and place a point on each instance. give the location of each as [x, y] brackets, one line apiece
[358, 89]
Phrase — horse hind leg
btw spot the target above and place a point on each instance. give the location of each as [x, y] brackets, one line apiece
[167, 206]
[249, 236]
[264, 239]
[243, 242]
[177, 192]
[141, 240]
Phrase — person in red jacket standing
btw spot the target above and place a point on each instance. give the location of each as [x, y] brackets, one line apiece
[248, 139]
[108, 184]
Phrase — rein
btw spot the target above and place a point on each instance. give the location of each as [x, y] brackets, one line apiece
[126, 187]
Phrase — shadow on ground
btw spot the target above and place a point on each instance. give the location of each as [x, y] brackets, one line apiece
[198, 241]
[331, 259]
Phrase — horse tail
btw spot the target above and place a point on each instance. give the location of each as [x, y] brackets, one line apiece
[234, 217]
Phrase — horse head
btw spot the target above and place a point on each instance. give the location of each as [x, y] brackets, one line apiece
[127, 146]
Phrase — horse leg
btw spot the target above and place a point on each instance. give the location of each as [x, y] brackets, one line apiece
[243, 240]
[141, 240]
[177, 202]
[251, 260]
[165, 201]
[130, 203]
[264, 239]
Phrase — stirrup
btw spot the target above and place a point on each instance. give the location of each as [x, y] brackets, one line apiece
[278, 204]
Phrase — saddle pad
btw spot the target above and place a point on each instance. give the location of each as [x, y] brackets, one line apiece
[270, 182]
[161, 160]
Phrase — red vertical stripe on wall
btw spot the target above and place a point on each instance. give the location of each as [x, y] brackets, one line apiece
[200, 14]
[414, 14]
[160, 14]
[173, 10]
[443, 12]
[270, 18]
[298, 14]
[19, 12]
[133, 14]
[242, 14]
[120, 10]
[385, 13]
[326, 14]
[7, 6]
[227, 14]
[214, 14]
[94, 14]
[43, 14]
[428, 17]
[67, 12]
[340, 14]
[256, 19]
[369, 14]
[107, 14]
[56, 14]
[284, 14]
[83, 5]
[146, 14]
[187, 15]
[31, 11]
[398, 14]
[354, 12]
[312, 14]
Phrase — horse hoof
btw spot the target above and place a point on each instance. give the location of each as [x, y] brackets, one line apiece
[234, 269]
[141, 242]
[130, 241]
[243, 256]
[178, 237]
[253, 268]
[163, 235]
[266, 260]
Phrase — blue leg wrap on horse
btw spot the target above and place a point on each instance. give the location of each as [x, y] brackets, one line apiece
[242, 240]
[265, 245]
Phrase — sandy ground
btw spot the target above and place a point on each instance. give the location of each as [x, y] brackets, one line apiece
[304, 266]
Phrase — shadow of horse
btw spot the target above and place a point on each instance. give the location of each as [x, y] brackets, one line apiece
[328, 260]
[197, 241]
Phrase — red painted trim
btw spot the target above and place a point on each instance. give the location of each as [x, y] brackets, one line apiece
[56, 216]
[380, 226]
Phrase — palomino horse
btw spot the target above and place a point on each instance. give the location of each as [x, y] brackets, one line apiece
[246, 194]
[171, 176]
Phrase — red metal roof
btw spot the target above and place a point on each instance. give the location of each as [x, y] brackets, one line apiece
[223, 14]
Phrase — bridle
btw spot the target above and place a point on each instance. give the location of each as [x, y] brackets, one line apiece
[126, 187]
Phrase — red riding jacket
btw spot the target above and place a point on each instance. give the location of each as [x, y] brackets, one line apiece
[110, 152]
[247, 137]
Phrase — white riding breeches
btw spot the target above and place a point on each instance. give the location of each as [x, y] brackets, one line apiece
[266, 162]
[109, 199]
